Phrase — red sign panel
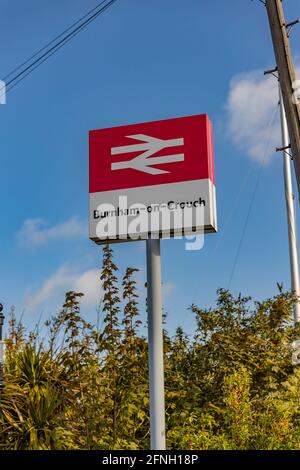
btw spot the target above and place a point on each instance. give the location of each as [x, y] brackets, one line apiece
[151, 153]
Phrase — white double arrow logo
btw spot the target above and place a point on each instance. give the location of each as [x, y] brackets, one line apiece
[150, 146]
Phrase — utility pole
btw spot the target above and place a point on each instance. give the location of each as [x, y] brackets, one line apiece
[287, 77]
[290, 209]
[155, 342]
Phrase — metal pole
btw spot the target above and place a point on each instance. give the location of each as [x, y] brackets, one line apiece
[286, 70]
[155, 341]
[290, 208]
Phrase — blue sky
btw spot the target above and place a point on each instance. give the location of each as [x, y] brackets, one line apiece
[141, 61]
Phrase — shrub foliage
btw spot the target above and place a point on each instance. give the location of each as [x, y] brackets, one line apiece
[232, 385]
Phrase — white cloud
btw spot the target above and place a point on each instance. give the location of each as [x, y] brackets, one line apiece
[251, 104]
[51, 293]
[36, 232]
[89, 283]
[60, 279]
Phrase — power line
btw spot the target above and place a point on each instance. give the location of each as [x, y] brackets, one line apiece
[232, 210]
[101, 8]
[271, 129]
[53, 40]
[60, 43]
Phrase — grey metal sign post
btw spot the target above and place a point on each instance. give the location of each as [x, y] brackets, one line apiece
[155, 344]
[163, 168]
